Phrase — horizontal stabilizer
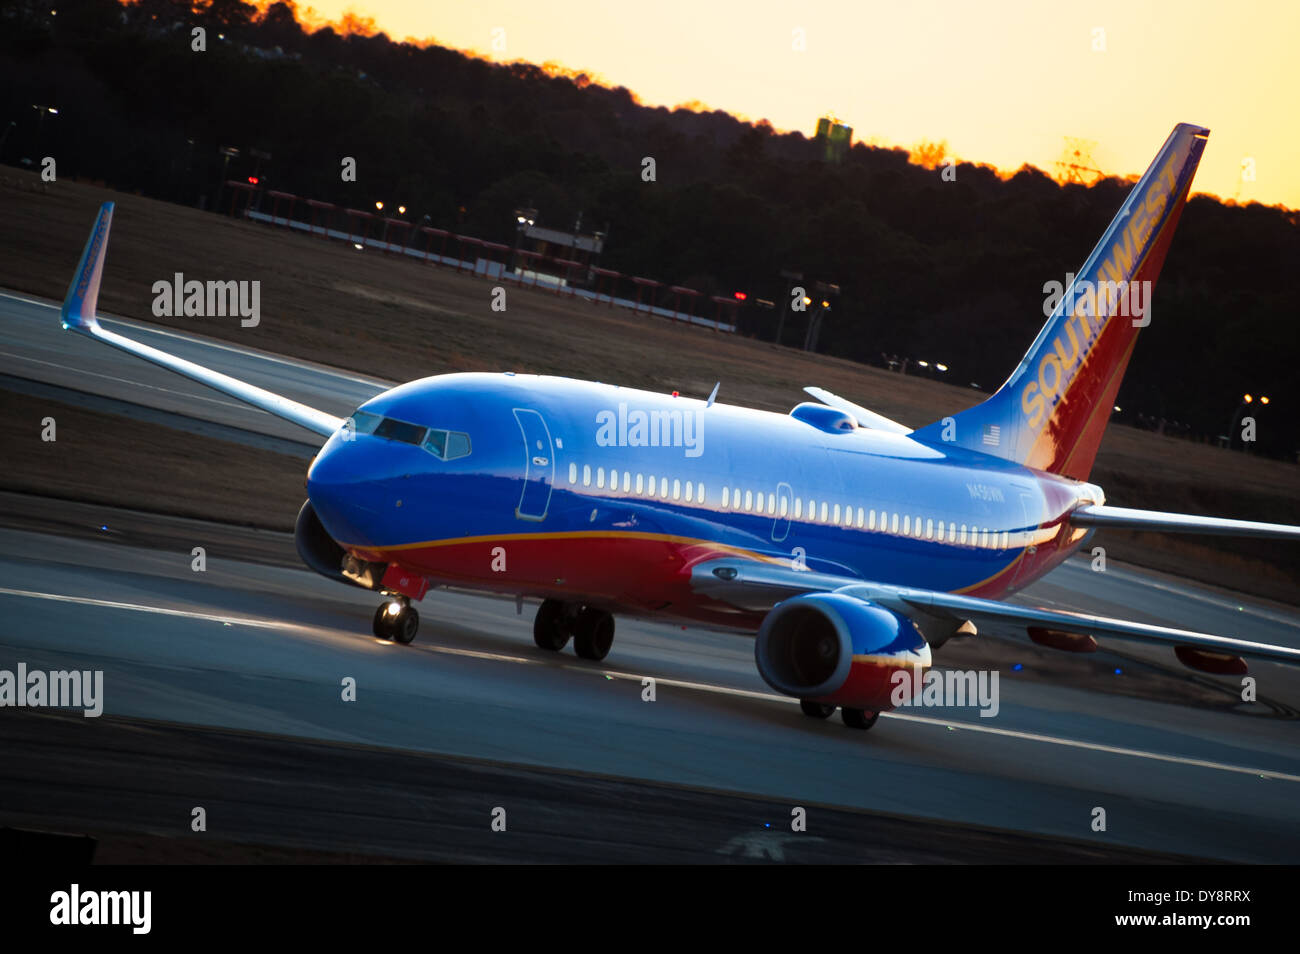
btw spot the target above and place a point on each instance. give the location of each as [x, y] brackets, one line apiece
[1121, 518]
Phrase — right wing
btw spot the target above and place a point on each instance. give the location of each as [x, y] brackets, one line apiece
[79, 316]
[864, 416]
[749, 585]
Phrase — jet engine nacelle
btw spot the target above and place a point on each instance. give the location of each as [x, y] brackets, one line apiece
[323, 554]
[840, 650]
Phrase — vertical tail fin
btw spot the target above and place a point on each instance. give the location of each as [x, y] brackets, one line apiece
[1051, 412]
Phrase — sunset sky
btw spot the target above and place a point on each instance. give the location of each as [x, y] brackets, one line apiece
[1003, 82]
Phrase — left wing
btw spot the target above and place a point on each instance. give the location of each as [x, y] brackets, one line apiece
[753, 586]
[79, 316]
[1123, 518]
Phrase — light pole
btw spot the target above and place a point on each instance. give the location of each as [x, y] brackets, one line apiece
[5, 135]
[41, 110]
[524, 220]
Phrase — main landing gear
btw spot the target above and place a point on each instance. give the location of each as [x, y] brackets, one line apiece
[853, 718]
[397, 620]
[592, 629]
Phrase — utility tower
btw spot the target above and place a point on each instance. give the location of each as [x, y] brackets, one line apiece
[1076, 163]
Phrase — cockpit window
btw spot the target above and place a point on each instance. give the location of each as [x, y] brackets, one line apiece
[436, 443]
[447, 445]
[444, 445]
[400, 431]
[364, 422]
[457, 445]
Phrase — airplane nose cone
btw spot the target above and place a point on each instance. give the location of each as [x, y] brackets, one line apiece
[346, 496]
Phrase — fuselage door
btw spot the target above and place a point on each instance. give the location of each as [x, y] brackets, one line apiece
[784, 507]
[539, 465]
[1030, 516]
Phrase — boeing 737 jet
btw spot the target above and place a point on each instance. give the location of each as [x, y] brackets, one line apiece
[851, 544]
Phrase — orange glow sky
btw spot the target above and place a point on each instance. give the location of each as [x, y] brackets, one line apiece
[1002, 82]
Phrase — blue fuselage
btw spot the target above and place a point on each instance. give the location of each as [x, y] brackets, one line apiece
[596, 471]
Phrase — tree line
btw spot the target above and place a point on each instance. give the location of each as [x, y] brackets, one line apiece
[931, 270]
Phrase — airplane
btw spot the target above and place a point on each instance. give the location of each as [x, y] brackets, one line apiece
[852, 545]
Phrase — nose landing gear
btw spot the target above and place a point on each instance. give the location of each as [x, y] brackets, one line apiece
[592, 629]
[397, 620]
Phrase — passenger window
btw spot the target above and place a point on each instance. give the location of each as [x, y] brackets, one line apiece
[871, 520]
[835, 518]
[941, 531]
[929, 529]
[627, 482]
[860, 520]
[749, 500]
[663, 487]
[726, 497]
[690, 492]
[600, 477]
[586, 475]
[700, 493]
[573, 473]
[640, 483]
[677, 490]
[785, 506]
[893, 520]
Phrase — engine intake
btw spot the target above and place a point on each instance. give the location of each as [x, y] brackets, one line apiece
[323, 554]
[834, 648]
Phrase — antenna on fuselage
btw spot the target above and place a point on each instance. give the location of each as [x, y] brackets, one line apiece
[713, 394]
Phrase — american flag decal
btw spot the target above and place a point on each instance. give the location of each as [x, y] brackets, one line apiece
[992, 435]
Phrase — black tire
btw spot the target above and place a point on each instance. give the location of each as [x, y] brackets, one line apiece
[405, 625]
[382, 623]
[858, 718]
[550, 627]
[593, 634]
[817, 710]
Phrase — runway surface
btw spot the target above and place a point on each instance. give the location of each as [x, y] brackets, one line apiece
[34, 348]
[1179, 764]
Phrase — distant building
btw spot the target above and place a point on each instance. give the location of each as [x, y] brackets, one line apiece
[566, 258]
[835, 137]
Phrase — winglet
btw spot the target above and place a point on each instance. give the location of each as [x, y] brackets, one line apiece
[83, 293]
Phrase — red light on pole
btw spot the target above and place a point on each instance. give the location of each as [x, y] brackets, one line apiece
[252, 180]
[739, 296]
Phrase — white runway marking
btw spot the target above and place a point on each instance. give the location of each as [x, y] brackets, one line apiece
[208, 343]
[1237, 607]
[684, 684]
[136, 384]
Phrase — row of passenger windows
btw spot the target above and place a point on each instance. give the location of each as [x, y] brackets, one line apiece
[811, 510]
